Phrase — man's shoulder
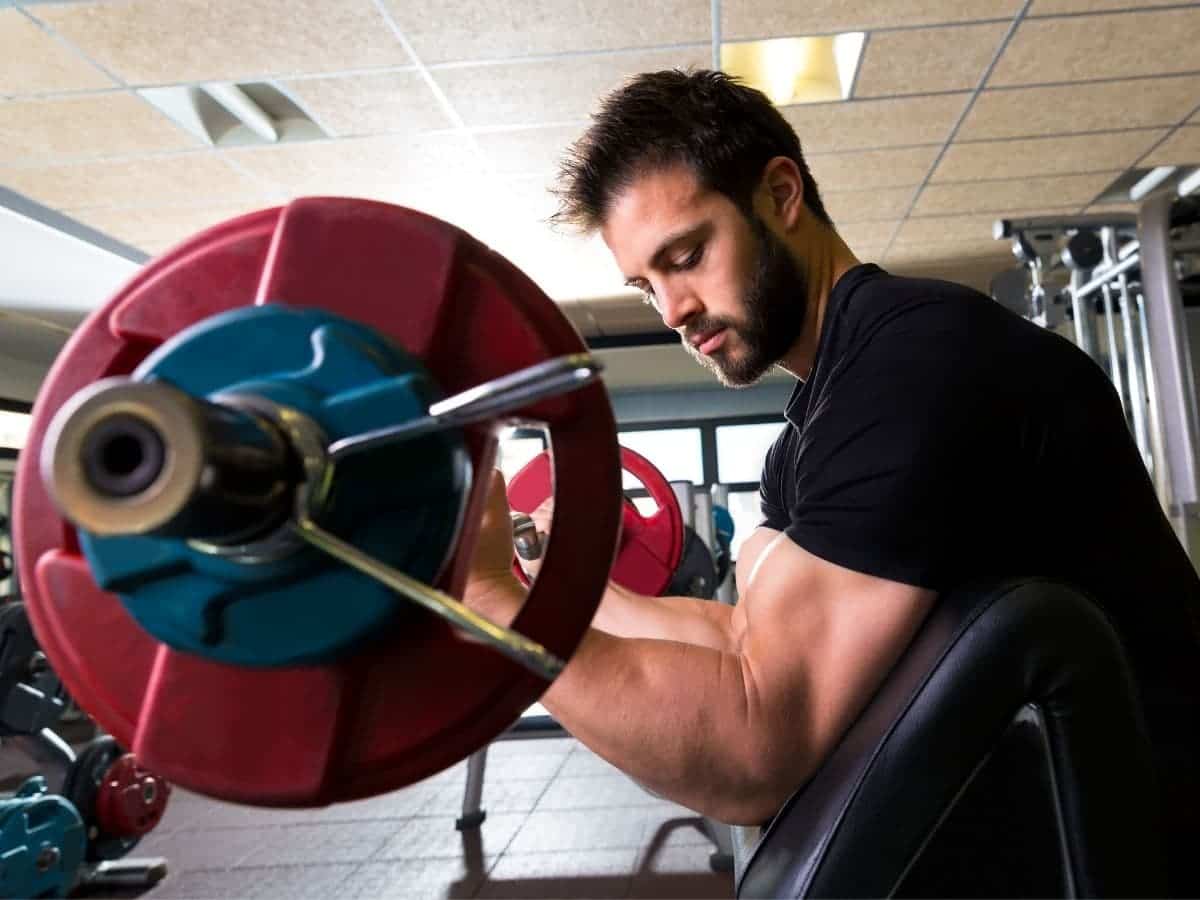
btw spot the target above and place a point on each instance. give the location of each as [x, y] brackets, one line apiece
[899, 299]
[885, 309]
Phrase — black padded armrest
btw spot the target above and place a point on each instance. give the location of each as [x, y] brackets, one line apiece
[1027, 670]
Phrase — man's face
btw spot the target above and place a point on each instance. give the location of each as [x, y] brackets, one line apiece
[727, 284]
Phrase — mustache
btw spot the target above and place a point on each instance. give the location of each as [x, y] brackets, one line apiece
[706, 325]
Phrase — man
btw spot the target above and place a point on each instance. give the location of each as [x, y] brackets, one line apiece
[933, 438]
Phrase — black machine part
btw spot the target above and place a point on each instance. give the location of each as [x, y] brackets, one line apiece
[81, 786]
[31, 696]
[696, 574]
[1083, 250]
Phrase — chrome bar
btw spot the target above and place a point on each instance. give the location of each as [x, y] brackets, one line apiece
[1106, 276]
[1154, 418]
[485, 401]
[1134, 369]
[1081, 316]
[1114, 357]
[1189, 184]
[1169, 348]
[1149, 182]
[515, 646]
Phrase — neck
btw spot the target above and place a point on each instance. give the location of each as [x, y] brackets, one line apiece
[825, 265]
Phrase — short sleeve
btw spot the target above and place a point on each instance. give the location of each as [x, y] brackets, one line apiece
[889, 454]
[770, 492]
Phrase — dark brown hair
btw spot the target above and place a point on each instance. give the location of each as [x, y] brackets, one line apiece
[725, 132]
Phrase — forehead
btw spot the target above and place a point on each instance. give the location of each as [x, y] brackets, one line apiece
[653, 206]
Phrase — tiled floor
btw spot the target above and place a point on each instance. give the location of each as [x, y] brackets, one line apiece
[560, 823]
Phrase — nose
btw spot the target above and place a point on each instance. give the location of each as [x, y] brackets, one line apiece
[677, 304]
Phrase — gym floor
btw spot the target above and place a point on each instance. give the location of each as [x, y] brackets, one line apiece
[561, 822]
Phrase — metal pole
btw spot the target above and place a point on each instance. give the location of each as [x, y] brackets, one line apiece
[1133, 367]
[1114, 358]
[1108, 241]
[1169, 349]
[1157, 450]
[726, 591]
[1085, 332]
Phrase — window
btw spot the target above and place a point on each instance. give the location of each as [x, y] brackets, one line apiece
[673, 451]
[14, 429]
[747, 515]
[514, 453]
[741, 450]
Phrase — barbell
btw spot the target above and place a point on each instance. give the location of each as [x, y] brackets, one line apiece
[252, 486]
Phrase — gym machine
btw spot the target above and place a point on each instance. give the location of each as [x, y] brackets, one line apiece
[1124, 283]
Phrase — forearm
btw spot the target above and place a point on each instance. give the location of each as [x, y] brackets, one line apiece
[684, 720]
[686, 620]
[679, 719]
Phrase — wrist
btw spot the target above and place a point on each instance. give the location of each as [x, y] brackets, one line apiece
[498, 597]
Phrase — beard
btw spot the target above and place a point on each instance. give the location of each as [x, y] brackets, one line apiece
[776, 301]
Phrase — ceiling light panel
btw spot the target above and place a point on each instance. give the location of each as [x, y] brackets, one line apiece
[794, 70]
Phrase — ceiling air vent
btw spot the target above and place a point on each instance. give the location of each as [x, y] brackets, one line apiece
[226, 115]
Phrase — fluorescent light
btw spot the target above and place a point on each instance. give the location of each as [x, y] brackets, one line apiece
[797, 69]
[14, 429]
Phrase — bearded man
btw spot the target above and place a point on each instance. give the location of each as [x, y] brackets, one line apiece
[932, 438]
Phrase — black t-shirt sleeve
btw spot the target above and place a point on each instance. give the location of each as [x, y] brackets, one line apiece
[889, 451]
[773, 506]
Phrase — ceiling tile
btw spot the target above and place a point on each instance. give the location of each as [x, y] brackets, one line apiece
[1001, 196]
[864, 169]
[962, 228]
[868, 234]
[845, 207]
[1180, 149]
[370, 104]
[33, 62]
[1044, 156]
[151, 42]
[85, 127]
[1063, 109]
[772, 18]
[1084, 48]
[973, 273]
[186, 178]
[1053, 7]
[923, 60]
[398, 169]
[527, 151]
[156, 229]
[869, 252]
[874, 124]
[461, 30]
[951, 250]
[549, 91]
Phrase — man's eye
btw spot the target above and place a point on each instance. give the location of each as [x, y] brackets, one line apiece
[691, 260]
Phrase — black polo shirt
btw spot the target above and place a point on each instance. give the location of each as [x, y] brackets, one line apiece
[941, 438]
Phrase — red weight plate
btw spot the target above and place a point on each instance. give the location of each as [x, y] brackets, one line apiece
[130, 801]
[400, 710]
[649, 548]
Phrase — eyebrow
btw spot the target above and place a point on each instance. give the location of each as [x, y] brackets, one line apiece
[668, 243]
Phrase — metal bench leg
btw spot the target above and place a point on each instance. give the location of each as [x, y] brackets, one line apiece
[472, 814]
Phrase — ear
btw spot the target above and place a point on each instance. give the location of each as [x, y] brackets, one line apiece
[783, 191]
